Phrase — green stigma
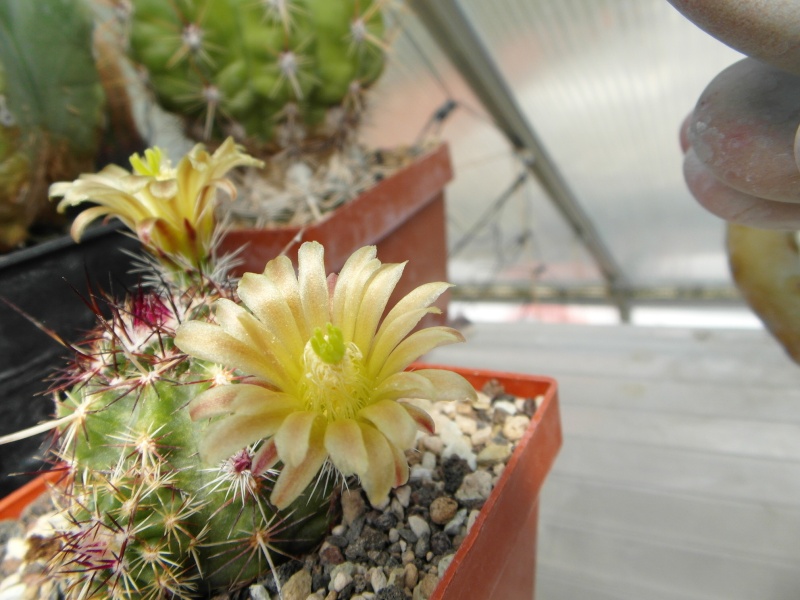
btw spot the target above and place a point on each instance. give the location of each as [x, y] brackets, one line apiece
[151, 165]
[329, 346]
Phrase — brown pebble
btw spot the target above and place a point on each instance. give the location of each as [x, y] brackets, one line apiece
[443, 509]
[330, 554]
[426, 587]
[410, 576]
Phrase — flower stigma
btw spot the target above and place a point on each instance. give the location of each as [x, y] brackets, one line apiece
[335, 382]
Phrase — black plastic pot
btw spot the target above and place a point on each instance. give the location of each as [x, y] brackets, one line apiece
[49, 282]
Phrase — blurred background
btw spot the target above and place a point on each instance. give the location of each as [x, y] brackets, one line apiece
[605, 85]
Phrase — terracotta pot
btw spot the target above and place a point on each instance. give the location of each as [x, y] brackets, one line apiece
[403, 215]
[497, 559]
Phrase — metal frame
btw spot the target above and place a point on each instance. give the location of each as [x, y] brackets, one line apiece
[453, 32]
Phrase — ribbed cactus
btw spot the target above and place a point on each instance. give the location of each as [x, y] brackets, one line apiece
[52, 104]
[269, 72]
[144, 517]
[204, 429]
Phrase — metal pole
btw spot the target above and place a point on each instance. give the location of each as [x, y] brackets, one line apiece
[453, 32]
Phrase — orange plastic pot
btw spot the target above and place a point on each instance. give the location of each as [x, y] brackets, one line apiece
[403, 215]
[497, 559]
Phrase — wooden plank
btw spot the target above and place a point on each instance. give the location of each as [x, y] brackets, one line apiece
[759, 530]
[679, 477]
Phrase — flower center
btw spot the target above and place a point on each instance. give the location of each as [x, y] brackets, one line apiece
[335, 382]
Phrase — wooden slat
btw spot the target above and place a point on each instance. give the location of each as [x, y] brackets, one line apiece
[679, 478]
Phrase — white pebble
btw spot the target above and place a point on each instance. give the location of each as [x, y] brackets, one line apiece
[473, 515]
[453, 526]
[15, 592]
[339, 530]
[394, 536]
[514, 427]
[444, 563]
[258, 592]
[467, 425]
[481, 436]
[377, 579]
[506, 406]
[420, 473]
[403, 495]
[429, 461]
[419, 526]
[432, 443]
[462, 448]
[340, 581]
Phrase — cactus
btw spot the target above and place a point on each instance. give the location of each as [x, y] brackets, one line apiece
[52, 106]
[203, 439]
[269, 72]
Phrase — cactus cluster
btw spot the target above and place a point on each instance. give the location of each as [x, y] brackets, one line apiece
[271, 73]
[206, 424]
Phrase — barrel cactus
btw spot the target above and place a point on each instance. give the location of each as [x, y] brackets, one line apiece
[205, 425]
[272, 73]
[51, 103]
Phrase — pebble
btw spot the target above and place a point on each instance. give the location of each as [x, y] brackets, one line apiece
[466, 425]
[453, 527]
[495, 453]
[429, 461]
[506, 406]
[298, 587]
[410, 576]
[419, 526]
[353, 506]
[475, 489]
[515, 426]
[444, 563]
[481, 436]
[340, 581]
[443, 509]
[403, 495]
[426, 587]
[377, 579]
[259, 592]
[433, 443]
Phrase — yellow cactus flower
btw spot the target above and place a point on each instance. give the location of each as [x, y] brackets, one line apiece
[327, 374]
[170, 210]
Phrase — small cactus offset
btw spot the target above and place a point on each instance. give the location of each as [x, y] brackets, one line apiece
[272, 73]
[205, 425]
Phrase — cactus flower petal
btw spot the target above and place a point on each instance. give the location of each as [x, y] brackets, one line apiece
[345, 445]
[381, 475]
[334, 372]
[226, 437]
[448, 385]
[423, 419]
[171, 210]
[392, 421]
[211, 343]
[243, 399]
[294, 437]
[415, 345]
[293, 480]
